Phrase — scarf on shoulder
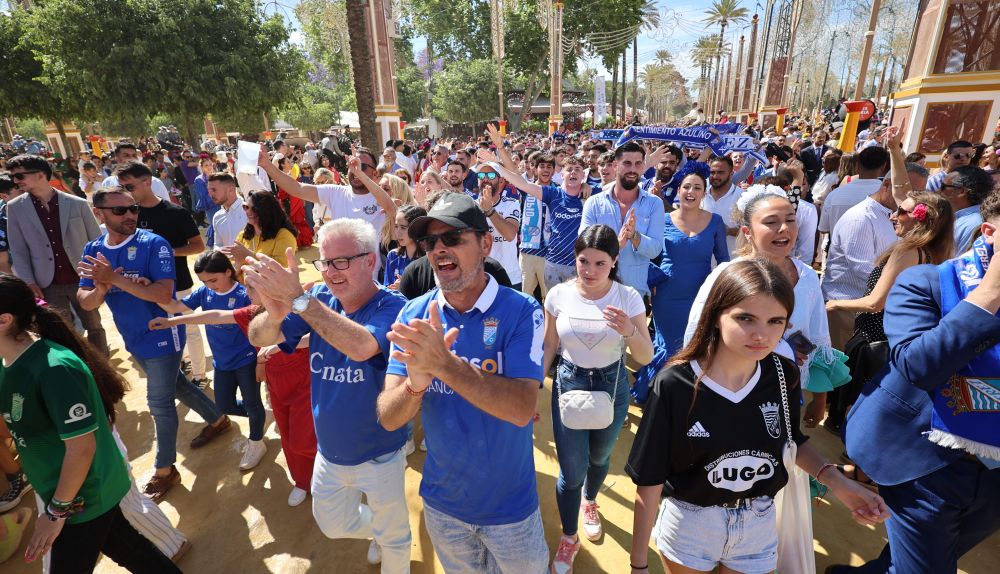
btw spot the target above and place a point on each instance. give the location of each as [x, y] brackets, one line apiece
[966, 413]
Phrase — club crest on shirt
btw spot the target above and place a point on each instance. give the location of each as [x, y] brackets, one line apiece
[131, 251]
[232, 302]
[16, 407]
[370, 209]
[490, 331]
[771, 420]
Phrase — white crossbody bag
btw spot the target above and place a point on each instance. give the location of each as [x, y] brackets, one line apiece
[590, 410]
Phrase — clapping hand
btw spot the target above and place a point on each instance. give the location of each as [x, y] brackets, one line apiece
[98, 269]
[423, 345]
[276, 285]
[628, 230]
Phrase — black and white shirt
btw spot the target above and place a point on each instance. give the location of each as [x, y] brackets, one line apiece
[709, 445]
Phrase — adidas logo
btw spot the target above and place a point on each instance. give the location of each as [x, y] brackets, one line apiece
[698, 431]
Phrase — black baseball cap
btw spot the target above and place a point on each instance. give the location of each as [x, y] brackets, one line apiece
[455, 209]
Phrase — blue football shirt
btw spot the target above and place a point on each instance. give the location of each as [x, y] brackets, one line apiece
[147, 255]
[480, 469]
[230, 347]
[344, 391]
[565, 213]
[395, 264]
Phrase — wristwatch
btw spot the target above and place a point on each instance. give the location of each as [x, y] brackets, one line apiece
[300, 303]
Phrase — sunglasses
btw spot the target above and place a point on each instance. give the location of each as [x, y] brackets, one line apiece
[952, 185]
[491, 175]
[449, 238]
[24, 174]
[367, 166]
[340, 263]
[963, 155]
[120, 210]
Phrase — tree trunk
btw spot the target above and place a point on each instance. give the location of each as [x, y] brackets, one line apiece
[531, 93]
[62, 136]
[635, 77]
[190, 133]
[614, 93]
[361, 61]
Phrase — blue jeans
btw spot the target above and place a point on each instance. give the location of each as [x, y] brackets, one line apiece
[585, 455]
[464, 548]
[165, 383]
[938, 518]
[250, 405]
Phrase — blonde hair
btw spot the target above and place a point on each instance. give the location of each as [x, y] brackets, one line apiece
[324, 172]
[398, 190]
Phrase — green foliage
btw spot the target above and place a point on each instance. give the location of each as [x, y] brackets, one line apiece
[467, 92]
[311, 115]
[411, 91]
[187, 58]
[31, 128]
[23, 91]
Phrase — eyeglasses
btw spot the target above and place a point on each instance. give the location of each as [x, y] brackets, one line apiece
[963, 155]
[952, 185]
[488, 174]
[449, 238]
[20, 176]
[339, 263]
[120, 210]
[900, 211]
[367, 166]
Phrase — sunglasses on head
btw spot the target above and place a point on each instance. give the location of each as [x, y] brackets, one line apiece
[120, 210]
[449, 238]
[488, 174]
[23, 174]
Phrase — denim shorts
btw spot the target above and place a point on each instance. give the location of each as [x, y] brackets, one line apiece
[744, 539]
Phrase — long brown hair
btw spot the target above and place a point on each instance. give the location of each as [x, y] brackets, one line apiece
[270, 216]
[932, 238]
[17, 299]
[739, 280]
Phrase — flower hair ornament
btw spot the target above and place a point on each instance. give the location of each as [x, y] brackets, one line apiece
[691, 167]
[919, 212]
[753, 193]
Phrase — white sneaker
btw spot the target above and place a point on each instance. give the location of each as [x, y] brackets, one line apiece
[591, 520]
[423, 445]
[254, 452]
[374, 553]
[297, 496]
[565, 554]
[410, 448]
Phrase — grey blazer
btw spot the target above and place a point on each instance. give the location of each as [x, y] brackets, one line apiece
[31, 253]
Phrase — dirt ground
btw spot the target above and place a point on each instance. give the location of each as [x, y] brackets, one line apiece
[241, 523]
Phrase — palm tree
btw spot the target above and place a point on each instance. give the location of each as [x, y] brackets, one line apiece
[702, 54]
[663, 57]
[723, 13]
[361, 67]
[650, 20]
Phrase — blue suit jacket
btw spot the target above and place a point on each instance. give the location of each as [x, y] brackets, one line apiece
[886, 428]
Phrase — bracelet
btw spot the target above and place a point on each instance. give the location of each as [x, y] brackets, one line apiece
[826, 466]
[634, 331]
[491, 212]
[413, 393]
[634, 567]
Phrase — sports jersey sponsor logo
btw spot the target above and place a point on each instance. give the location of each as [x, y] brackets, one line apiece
[77, 413]
[335, 374]
[739, 471]
[16, 406]
[570, 213]
[698, 431]
[164, 252]
[491, 366]
[131, 251]
[490, 331]
[771, 421]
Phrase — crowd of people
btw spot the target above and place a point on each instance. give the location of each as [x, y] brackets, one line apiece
[738, 302]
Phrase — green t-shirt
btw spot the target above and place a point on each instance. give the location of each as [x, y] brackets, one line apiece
[48, 396]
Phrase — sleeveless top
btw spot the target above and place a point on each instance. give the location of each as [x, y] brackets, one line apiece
[870, 324]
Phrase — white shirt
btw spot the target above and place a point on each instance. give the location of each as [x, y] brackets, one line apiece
[805, 242]
[838, 201]
[505, 252]
[724, 207]
[808, 315]
[825, 183]
[861, 236]
[407, 163]
[228, 223]
[250, 182]
[159, 190]
[341, 201]
[584, 335]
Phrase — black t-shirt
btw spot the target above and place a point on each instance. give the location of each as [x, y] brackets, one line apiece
[715, 451]
[419, 276]
[175, 224]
